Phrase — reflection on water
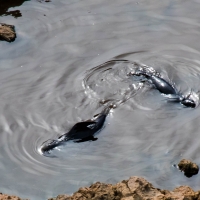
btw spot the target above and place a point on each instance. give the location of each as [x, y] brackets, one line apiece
[6, 4]
[57, 73]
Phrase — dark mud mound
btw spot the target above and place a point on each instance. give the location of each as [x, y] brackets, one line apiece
[6, 4]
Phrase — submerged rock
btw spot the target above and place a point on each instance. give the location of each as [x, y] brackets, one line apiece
[7, 32]
[188, 167]
[135, 188]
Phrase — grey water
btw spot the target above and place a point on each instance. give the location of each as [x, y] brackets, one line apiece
[57, 73]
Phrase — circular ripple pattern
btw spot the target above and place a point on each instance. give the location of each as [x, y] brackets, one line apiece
[110, 82]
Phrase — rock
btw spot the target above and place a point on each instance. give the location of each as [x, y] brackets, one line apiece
[8, 197]
[135, 188]
[60, 197]
[7, 32]
[188, 167]
[6, 5]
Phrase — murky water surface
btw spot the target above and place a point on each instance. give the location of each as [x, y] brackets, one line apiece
[52, 77]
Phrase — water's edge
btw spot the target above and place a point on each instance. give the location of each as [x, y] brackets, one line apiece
[135, 187]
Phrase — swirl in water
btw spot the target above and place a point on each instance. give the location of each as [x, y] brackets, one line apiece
[110, 83]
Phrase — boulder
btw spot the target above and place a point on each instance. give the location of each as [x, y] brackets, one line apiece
[188, 167]
[9, 197]
[7, 32]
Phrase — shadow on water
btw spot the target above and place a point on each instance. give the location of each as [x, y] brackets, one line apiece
[6, 4]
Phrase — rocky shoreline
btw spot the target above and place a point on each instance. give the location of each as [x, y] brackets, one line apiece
[135, 188]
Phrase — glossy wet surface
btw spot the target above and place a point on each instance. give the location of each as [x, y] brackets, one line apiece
[54, 75]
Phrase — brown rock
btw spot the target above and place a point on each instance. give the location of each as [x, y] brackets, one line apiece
[188, 167]
[7, 32]
[60, 197]
[8, 197]
[135, 188]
